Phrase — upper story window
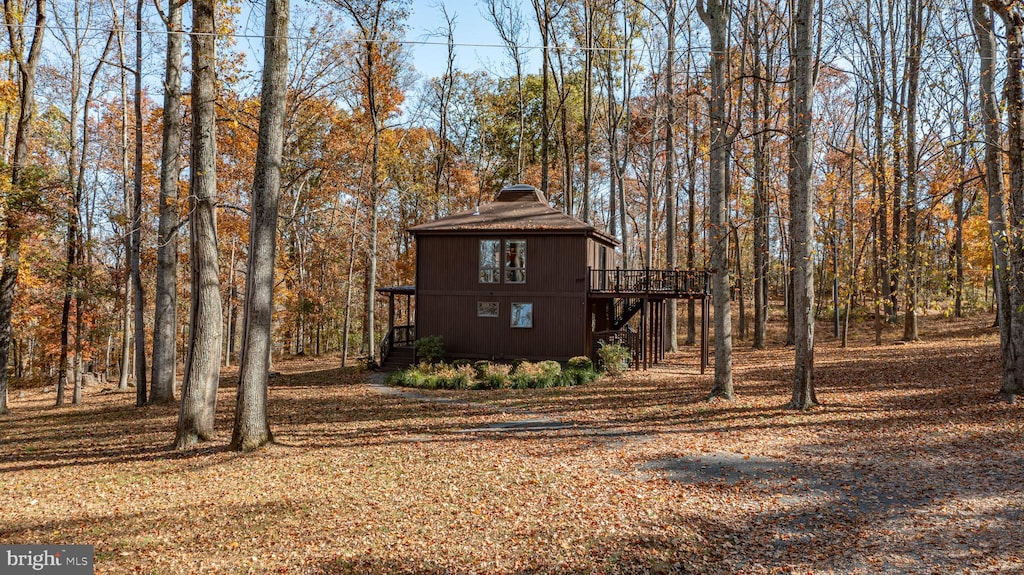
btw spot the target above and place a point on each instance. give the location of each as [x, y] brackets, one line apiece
[490, 261]
[515, 261]
[499, 265]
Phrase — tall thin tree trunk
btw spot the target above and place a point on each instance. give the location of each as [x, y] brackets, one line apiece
[13, 231]
[543, 14]
[917, 33]
[1013, 313]
[588, 103]
[165, 319]
[802, 205]
[761, 202]
[671, 326]
[348, 289]
[202, 361]
[138, 295]
[716, 18]
[252, 425]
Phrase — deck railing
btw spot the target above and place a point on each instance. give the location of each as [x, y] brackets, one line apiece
[648, 281]
[626, 336]
[399, 335]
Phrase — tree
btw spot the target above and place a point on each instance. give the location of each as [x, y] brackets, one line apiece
[1013, 275]
[26, 53]
[716, 17]
[801, 203]
[376, 65]
[72, 36]
[165, 318]
[135, 253]
[545, 18]
[252, 426]
[508, 22]
[671, 326]
[916, 34]
[991, 119]
[202, 362]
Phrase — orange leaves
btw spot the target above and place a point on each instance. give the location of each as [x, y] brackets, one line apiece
[906, 467]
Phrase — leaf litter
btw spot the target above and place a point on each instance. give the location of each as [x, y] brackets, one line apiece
[907, 467]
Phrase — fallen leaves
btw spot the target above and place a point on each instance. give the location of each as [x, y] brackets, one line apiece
[906, 467]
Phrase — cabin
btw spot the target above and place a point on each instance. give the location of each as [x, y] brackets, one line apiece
[518, 279]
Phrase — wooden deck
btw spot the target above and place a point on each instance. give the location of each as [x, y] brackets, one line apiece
[626, 293]
[649, 283]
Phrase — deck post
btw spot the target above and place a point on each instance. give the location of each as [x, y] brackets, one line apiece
[704, 344]
[391, 311]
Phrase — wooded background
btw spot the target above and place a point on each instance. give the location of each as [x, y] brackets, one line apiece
[856, 157]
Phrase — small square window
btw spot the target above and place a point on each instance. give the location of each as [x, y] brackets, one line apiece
[487, 309]
[522, 315]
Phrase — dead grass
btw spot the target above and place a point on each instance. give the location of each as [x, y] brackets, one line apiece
[908, 467]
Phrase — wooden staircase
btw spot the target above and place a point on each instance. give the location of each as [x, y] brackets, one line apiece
[399, 358]
[623, 310]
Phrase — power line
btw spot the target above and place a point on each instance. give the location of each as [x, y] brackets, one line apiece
[403, 41]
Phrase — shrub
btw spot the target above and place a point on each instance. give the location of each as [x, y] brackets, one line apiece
[492, 375]
[580, 362]
[487, 375]
[465, 377]
[542, 374]
[578, 376]
[482, 367]
[525, 375]
[614, 357]
[412, 377]
[430, 349]
[551, 374]
[462, 362]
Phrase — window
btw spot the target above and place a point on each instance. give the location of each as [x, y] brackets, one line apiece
[490, 261]
[515, 261]
[496, 265]
[487, 309]
[522, 314]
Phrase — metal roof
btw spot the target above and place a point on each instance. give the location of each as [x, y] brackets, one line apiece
[518, 208]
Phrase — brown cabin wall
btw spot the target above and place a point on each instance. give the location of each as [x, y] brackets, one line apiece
[448, 289]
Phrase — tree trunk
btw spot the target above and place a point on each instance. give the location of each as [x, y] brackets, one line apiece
[716, 18]
[202, 362]
[348, 289]
[543, 13]
[126, 320]
[165, 320]
[13, 232]
[1013, 314]
[802, 206]
[671, 326]
[588, 103]
[252, 426]
[138, 295]
[917, 33]
[760, 197]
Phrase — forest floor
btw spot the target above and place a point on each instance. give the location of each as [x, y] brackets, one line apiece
[907, 467]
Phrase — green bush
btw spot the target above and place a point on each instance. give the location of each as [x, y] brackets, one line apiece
[551, 374]
[580, 362]
[451, 377]
[430, 349]
[492, 375]
[615, 357]
[573, 376]
[525, 374]
[487, 375]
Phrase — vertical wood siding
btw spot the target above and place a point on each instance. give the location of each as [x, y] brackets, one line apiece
[448, 289]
